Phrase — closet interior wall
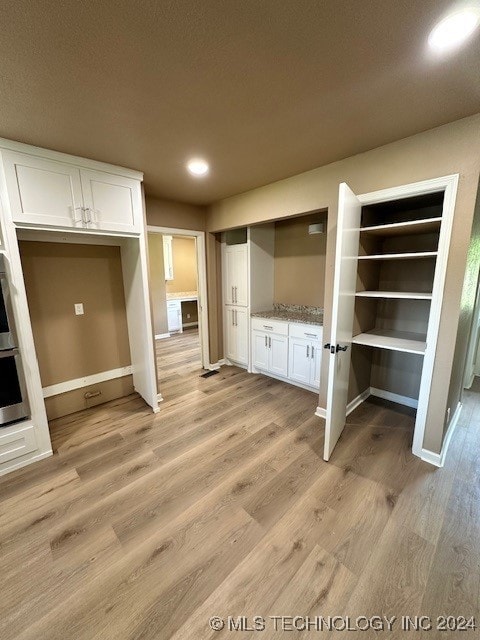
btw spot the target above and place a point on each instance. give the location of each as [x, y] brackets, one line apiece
[394, 372]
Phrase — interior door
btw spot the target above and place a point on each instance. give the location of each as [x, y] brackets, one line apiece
[344, 284]
[230, 334]
[114, 203]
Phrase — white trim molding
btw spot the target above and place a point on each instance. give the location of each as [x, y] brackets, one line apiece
[394, 397]
[356, 402]
[79, 383]
[162, 336]
[321, 413]
[438, 459]
[215, 366]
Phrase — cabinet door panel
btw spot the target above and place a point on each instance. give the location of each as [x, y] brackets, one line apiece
[260, 350]
[114, 202]
[316, 364]
[241, 330]
[299, 362]
[174, 317]
[230, 334]
[168, 257]
[241, 275]
[43, 192]
[229, 278]
[278, 356]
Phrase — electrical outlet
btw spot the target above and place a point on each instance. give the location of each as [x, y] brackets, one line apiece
[79, 309]
[188, 316]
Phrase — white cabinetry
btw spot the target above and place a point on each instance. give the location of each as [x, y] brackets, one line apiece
[236, 334]
[168, 257]
[48, 193]
[236, 275]
[305, 354]
[174, 315]
[288, 350]
[270, 347]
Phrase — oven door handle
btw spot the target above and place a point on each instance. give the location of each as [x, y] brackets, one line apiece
[8, 353]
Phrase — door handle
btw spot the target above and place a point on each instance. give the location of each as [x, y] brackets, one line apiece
[313, 351]
[339, 348]
[326, 346]
[269, 342]
[233, 293]
[308, 350]
[233, 318]
[236, 318]
[266, 342]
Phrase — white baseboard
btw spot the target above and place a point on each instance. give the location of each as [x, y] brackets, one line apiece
[161, 336]
[215, 366]
[394, 397]
[189, 324]
[159, 397]
[353, 404]
[78, 383]
[321, 413]
[438, 459]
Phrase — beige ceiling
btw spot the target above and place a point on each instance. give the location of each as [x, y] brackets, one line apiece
[264, 89]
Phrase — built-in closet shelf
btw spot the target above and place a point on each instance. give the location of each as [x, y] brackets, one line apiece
[400, 256]
[392, 340]
[427, 225]
[399, 295]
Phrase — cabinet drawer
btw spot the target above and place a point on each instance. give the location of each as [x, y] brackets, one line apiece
[270, 326]
[17, 443]
[305, 331]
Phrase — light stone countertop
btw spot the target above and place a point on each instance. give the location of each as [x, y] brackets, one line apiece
[183, 295]
[293, 313]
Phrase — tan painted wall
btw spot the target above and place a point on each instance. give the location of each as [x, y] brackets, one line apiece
[176, 215]
[299, 264]
[68, 346]
[158, 290]
[184, 265]
[452, 148]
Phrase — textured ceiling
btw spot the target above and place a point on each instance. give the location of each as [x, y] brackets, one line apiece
[264, 89]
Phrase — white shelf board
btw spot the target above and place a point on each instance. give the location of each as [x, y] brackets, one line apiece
[401, 295]
[392, 340]
[400, 256]
[427, 225]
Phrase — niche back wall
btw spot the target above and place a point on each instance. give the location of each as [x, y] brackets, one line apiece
[300, 261]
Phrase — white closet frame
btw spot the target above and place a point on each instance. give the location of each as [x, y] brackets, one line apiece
[447, 184]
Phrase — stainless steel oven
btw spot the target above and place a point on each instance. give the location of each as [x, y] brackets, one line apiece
[13, 398]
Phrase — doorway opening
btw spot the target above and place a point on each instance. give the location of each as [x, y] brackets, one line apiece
[177, 264]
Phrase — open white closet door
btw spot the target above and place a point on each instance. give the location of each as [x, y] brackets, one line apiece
[344, 285]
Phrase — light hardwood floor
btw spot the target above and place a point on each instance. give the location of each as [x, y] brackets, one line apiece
[144, 526]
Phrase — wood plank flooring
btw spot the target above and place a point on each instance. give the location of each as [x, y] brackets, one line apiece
[144, 526]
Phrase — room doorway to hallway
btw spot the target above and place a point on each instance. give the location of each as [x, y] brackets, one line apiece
[179, 304]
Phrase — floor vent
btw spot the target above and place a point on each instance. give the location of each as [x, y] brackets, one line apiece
[207, 374]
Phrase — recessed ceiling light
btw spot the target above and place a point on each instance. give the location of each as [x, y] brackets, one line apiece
[198, 167]
[454, 29]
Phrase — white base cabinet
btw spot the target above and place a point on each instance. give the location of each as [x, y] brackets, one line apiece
[304, 361]
[174, 315]
[236, 334]
[287, 350]
[270, 353]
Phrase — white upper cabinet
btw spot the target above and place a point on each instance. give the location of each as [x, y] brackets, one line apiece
[43, 192]
[49, 193]
[111, 202]
[168, 257]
